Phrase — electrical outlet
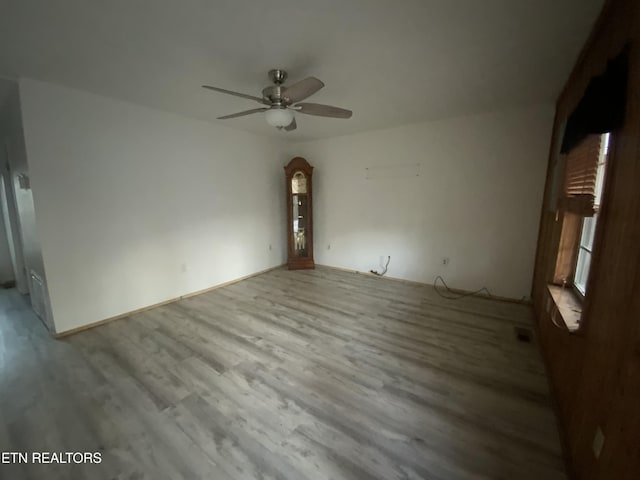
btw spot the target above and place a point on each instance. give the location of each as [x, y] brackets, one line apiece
[270, 247]
[598, 442]
[445, 260]
[329, 246]
[183, 267]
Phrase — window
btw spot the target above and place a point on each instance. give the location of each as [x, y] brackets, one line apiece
[580, 203]
[584, 149]
[585, 247]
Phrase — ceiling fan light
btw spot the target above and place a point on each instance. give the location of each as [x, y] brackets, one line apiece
[279, 117]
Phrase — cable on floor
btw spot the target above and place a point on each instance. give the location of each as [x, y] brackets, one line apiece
[457, 296]
[451, 295]
[375, 272]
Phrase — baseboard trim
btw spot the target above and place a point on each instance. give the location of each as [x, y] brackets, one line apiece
[424, 284]
[98, 323]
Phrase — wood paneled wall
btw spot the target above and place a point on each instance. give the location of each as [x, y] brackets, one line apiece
[596, 372]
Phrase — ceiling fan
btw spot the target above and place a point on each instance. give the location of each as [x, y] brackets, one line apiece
[281, 102]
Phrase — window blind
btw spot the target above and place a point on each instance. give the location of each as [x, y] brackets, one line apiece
[580, 176]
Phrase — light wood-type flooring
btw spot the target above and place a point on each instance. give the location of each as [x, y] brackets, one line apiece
[317, 374]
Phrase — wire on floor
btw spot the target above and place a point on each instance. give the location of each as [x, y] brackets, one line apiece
[375, 272]
[451, 295]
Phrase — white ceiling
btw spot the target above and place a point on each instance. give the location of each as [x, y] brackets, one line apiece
[392, 62]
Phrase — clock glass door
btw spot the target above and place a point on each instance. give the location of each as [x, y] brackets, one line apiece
[300, 210]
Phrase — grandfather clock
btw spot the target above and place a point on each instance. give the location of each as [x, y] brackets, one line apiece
[299, 218]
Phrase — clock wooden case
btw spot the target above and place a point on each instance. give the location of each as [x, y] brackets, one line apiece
[298, 174]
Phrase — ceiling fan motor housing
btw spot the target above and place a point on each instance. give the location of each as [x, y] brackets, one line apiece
[274, 95]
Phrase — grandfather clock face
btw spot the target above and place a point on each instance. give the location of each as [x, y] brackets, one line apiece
[300, 204]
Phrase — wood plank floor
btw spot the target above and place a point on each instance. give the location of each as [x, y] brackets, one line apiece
[300, 375]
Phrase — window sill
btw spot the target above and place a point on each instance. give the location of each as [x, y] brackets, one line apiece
[566, 305]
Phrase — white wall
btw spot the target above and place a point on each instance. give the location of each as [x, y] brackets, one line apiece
[136, 206]
[476, 200]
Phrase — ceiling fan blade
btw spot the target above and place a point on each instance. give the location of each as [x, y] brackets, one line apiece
[303, 89]
[236, 94]
[242, 114]
[323, 110]
[292, 126]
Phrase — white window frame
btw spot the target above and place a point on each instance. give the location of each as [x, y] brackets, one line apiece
[589, 225]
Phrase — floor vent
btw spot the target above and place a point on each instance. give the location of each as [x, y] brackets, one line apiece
[523, 334]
